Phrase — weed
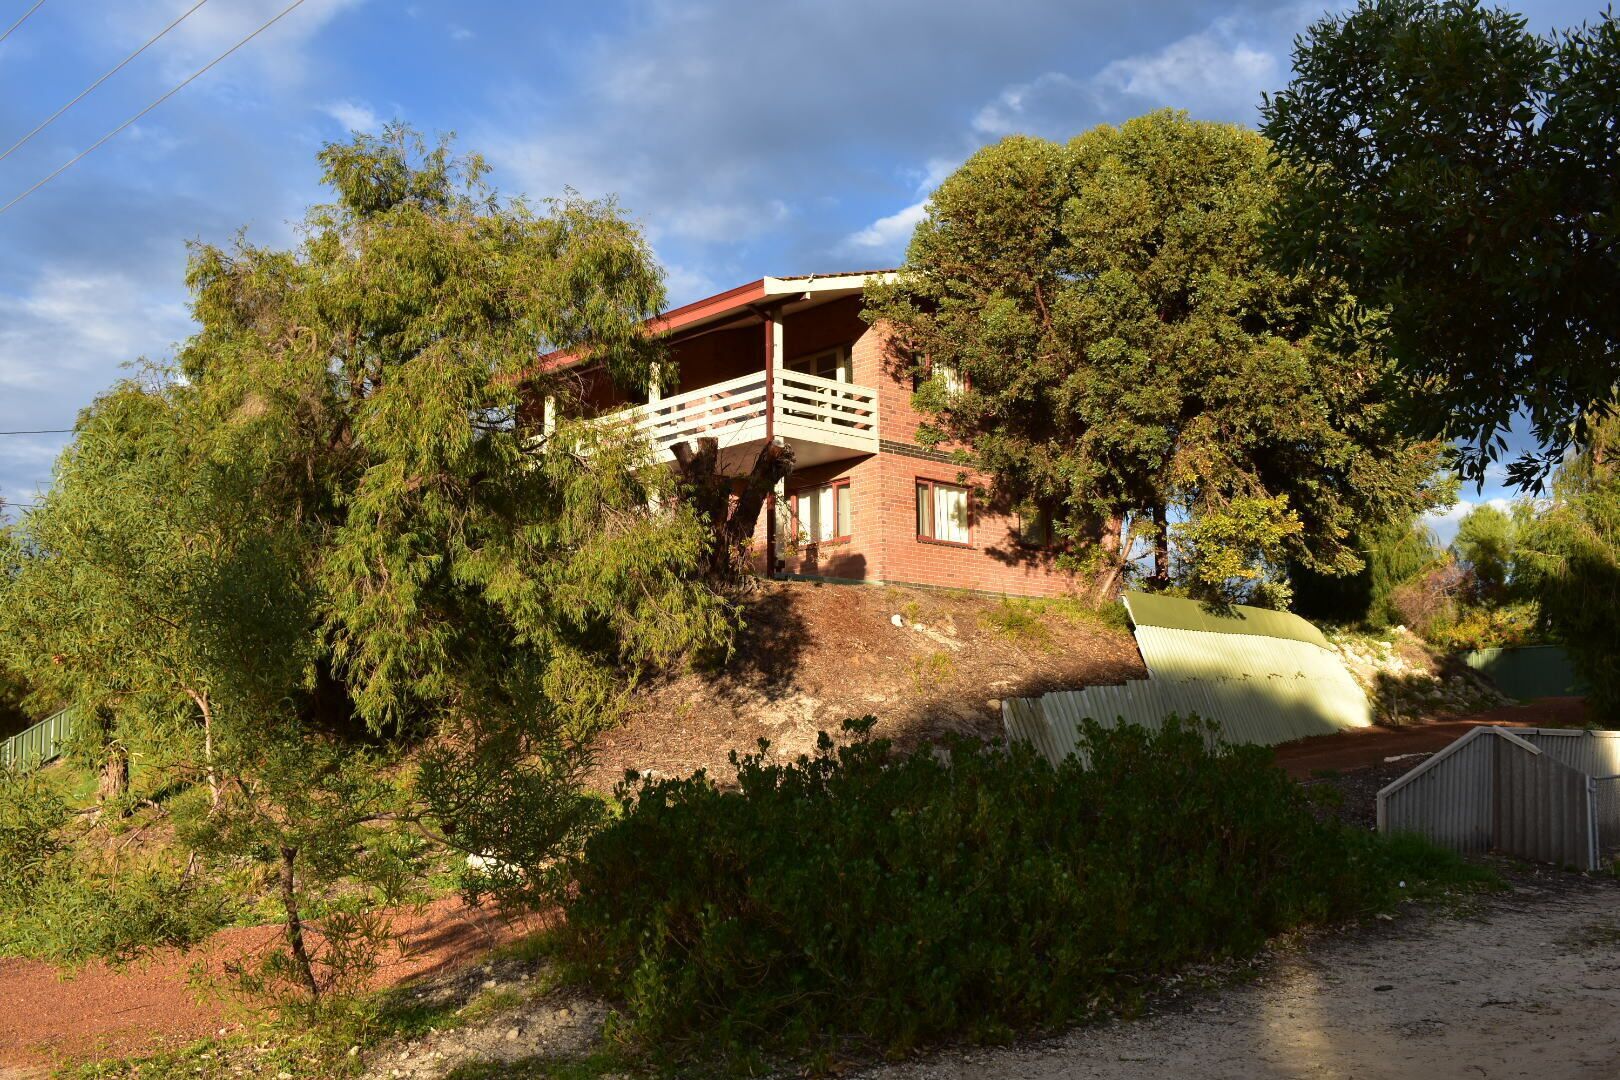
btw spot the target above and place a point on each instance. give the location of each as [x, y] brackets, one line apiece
[1017, 620]
[928, 672]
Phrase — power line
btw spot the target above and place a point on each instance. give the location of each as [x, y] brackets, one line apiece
[87, 90]
[42, 431]
[192, 78]
[22, 20]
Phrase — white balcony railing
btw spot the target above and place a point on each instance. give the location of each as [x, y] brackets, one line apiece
[808, 408]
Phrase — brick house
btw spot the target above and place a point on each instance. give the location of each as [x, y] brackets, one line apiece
[790, 358]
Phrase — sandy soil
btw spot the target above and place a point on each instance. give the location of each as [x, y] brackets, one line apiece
[815, 655]
[1531, 988]
[101, 1012]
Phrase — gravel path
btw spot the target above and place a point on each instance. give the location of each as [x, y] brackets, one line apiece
[1531, 988]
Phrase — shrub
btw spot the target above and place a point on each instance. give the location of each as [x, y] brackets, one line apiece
[853, 899]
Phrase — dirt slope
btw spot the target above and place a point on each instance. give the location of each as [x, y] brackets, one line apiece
[814, 655]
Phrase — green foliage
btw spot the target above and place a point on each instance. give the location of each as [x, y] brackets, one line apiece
[1393, 554]
[328, 524]
[1487, 543]
[1570, 563]
[1128, 357]
[67, 896]
[1447, 163]
[857, 899]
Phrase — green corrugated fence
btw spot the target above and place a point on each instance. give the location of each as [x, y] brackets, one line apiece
[1530, 672]
[41, 743]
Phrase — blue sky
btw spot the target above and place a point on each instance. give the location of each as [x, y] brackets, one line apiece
[775, 137]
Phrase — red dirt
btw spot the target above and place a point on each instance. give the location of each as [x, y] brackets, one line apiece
[46, 1019]
[1371, 746]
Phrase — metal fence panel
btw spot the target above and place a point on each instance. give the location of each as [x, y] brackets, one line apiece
[39, 744]
[1530, 672]
[1447, 799]
[1595, 753]
[1543, 808]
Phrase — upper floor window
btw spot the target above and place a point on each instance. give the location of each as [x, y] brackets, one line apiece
[943, 512]
[836, 364]
[946, 373]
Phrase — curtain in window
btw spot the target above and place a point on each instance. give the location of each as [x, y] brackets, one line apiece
[950, 514]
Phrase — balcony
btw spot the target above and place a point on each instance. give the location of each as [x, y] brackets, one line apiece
[822, 419]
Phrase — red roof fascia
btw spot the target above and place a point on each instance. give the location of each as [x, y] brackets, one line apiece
[675, 319]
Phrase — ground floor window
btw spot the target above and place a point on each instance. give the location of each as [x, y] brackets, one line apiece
[820, 514]
[942, 512]
[1035, 528]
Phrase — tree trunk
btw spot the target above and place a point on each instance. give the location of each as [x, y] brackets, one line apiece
[1161, 547]
[732, 514]
[114, 774]
[1109, 575]
[208, 746]
[295, 924]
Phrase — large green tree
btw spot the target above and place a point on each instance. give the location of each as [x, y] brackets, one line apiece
[326, 526]
[1128, 361]
[1458, 171]
[1567, 557]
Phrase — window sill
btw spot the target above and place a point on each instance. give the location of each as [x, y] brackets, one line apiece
[945, 543]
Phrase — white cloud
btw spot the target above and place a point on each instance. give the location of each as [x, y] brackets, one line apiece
[353, 115]
[890, 234]
[279, 55]
[61, 341]
[1217, 73]
[460, 33]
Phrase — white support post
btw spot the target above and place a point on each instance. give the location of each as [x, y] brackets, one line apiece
[548, 416]
[655, 385]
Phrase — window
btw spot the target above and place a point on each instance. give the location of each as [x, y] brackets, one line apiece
[945, 373]
[835, 364]
[820, 514]
[1035, 528]
[942, 512]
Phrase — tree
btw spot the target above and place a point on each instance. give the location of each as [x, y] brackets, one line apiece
[1569, 561]
[324, 529]
[1457, 171]
[1128, 361]
[1487, 542]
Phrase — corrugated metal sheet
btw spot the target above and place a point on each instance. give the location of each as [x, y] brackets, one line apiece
[1530, 672]
[1595, 753]
[1176, 613]
[39, 744]
[1495, 790]
[1298, 689]
[1448, 798]
[1544, 809]
[1254, 688]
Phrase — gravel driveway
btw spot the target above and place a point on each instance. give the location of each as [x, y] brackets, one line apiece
[1529, 988]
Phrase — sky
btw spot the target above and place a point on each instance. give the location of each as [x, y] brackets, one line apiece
[775, 137]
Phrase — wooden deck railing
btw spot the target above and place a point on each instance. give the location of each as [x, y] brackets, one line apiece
[807, 408]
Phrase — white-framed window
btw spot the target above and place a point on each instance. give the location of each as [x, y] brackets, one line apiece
[820, 514]
[836, 364]
[943, 512]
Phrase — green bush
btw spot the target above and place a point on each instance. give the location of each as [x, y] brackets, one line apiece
[858, 900]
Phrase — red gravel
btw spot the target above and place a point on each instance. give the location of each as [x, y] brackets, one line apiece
[1370, 746]
[47, 1019]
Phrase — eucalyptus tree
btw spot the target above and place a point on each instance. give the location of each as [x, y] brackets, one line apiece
[1129, 362]
[1457, 169]
[326, 531]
